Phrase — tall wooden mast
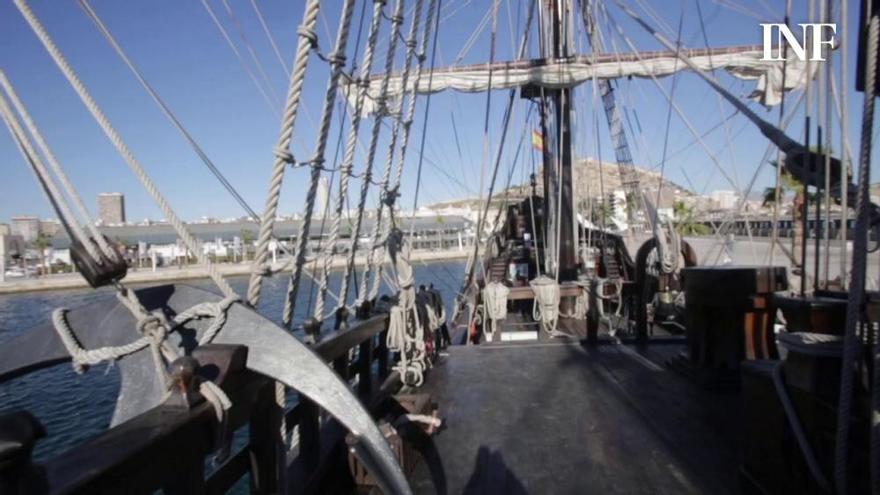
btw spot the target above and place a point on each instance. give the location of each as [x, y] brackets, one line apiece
[557, 174]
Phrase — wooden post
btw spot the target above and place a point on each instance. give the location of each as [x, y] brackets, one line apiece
[340, 366]
[189, 479]
[267, 446]
[382, 351]
[365, 367]
[309, 433]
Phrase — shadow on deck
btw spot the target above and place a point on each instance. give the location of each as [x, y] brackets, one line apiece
[562, 418]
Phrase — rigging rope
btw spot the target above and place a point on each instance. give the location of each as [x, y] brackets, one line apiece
[855, 299]
[348, 163]
[846, 155]
[411, 110]
[191, 242]
[58, 201]
[425, 117]
[396, 21]
[777, 190]
[250, 48]
[93, 16]
[388, 194]
[774, 134]
[269, 36]
[770, 131]
[273, 105]
[474, 254]
[308, 40]
[796, 427]
[337, 63]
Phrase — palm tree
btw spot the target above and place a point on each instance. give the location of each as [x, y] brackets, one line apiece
[601, 213]
[686, 220]
[41, 243]
[247, 237]
[789, 184]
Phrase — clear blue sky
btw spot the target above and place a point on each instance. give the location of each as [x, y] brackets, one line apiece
[183, 55]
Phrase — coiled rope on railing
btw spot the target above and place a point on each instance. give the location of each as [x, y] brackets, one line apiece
[406, 335]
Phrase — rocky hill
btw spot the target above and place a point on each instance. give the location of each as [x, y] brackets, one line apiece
[591, 180]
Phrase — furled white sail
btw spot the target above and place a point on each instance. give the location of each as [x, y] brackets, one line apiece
[745, 63]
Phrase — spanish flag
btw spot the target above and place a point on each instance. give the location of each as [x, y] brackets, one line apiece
[537, 140]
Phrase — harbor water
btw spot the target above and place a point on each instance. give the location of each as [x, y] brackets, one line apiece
[75, 407]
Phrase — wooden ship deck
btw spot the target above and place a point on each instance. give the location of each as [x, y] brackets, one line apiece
[561, 417]
[560, 376]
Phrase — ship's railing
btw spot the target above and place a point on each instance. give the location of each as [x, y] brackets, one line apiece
[318, 439]
[166, 448]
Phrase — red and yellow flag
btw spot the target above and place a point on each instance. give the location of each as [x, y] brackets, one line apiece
[537, 140]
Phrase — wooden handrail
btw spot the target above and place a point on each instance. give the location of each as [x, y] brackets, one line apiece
[165, 447]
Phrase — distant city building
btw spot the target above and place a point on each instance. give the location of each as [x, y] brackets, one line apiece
[26, 227]
[725, 199]
[111, 208]
[4, 229]
[323, 195]
[50, 227]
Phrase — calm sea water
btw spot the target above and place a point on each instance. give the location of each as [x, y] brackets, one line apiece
[75, 407]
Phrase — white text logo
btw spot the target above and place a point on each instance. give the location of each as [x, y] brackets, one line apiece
[812, 33]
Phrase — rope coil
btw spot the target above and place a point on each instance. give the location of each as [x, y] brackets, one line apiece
[545, 308]
[495, 297]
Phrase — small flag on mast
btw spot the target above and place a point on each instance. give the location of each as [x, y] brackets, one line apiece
[537, 140]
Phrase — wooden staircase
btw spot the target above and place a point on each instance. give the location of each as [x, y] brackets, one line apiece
[497, 269]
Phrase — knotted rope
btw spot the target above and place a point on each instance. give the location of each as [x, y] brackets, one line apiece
[155, 330]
